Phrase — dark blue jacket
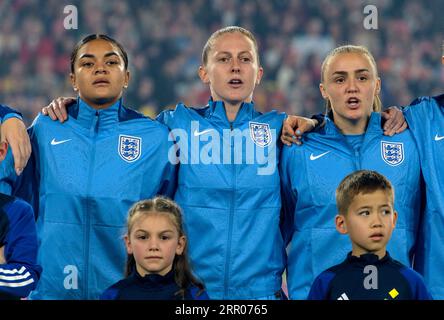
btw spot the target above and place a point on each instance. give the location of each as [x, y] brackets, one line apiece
[150, 287]
[20, 274]
[347, 281]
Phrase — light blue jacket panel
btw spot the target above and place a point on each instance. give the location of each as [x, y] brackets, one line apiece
[229, 189]
[310, 175]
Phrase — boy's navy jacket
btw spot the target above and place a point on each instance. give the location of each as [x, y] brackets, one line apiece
[20, 274]
[310, 175]
[82, 177]
[369, 278]
[425, 117]
[228, 187]
[150, 287]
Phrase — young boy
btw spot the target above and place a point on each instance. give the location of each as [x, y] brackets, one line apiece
[19, 272]
[365, 203]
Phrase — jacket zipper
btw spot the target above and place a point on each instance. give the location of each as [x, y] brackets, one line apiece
[230, 218]
[94, 132]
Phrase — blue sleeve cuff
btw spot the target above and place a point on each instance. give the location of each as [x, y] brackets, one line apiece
[11, 115]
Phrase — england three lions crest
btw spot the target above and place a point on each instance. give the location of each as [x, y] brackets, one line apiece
[130, 148]
[260, 134]
[392, 152]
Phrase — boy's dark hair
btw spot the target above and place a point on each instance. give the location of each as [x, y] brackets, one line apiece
[92, 37]
[362, 181]
[181, 265]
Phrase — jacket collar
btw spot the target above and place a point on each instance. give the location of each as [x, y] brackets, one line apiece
[373, 127]
[86, 115]
[218, 112]
[155, 279]
[368, 258]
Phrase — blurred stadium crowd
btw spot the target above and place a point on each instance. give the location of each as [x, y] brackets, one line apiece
[164, 39]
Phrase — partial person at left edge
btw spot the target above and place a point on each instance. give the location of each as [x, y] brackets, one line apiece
[19, 272]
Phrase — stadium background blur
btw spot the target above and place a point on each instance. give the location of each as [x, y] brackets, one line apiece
[164, 39]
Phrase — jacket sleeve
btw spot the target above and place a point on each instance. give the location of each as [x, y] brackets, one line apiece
[320, 287]
[7, 173]
[169, 181]
[421, 109]
[27, 184]
[8, 176]
[288, 196]
[417, 285]
[421, 292]
[20, 274]
[6, 113]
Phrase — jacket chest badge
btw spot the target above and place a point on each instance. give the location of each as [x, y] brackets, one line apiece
[260, 134]
[130, 148]
[392, 152]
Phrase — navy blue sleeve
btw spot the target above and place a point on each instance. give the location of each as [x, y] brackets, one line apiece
[20, 274]
[109, 294]
[6, 113]
[319, 288]
[438, 99]
[416, 282]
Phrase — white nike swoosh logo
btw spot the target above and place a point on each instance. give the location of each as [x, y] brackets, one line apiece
[313, 157]
[197, 133]
[437, 138]
[54, 142]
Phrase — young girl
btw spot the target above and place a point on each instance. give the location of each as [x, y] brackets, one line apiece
[157, 265]
[350, 139]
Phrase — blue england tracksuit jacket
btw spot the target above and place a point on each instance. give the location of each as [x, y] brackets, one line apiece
[310, 175]
[20, 274]
[82, 178]
[228, 187]
[386, 279]
[425, 117]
